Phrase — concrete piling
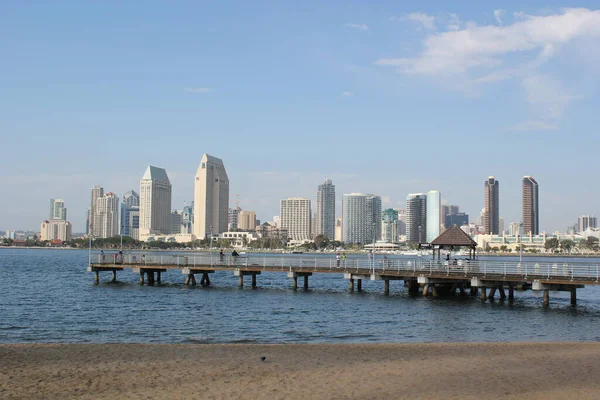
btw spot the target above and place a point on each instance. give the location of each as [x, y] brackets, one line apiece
[511, 292]
[254, 281]
[97, 277]
[573, 296]
[483, 293]
[114, 276]
[295, 284]
[351, 284]
[359, 285]
[305, 282]
[546, 297]
[386, 286]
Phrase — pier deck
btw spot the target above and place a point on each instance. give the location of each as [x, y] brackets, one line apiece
[432, 276]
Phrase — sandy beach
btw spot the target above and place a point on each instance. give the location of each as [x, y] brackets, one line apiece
[336, 371]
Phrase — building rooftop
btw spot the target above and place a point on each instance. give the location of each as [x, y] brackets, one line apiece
[156, 174]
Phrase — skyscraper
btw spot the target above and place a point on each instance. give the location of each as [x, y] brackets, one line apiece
[325, 223]
[211, 198]
[531, 211]
[106, 219]
[246, 220]
[389, 226]
[586, 221]
[296, 218]
[155, 202]
[57, 209]
[491, 192]
[130, 200]
[434, 219]
[361, 218]
[97, 192]
[187, 219]
[416, 218]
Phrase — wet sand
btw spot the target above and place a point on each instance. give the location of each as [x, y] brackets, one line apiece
[331, 371]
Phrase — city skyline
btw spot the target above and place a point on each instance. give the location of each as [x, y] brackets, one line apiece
[529, 88]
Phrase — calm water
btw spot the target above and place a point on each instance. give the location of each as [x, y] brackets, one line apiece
[47, 296]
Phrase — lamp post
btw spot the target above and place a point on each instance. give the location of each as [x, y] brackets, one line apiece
[520, 243]
[121, 237]
[373, 254]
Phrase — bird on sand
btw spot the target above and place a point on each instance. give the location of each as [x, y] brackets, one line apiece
[263, 358]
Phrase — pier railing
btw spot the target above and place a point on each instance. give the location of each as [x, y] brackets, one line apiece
[467, 268]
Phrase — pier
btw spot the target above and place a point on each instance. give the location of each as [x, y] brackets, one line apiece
[486, 279]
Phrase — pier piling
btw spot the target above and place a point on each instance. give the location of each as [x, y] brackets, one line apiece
[295, 284]
[573, 296]
[305, 282]
[97, 278]
[483, 293]
[351, 284]
[241, 281]
[141, 277]
[546, 297]
[359, 285]
[158, 277]
[511, 292]
[114, 276]
[386, 286]
[254, 281]
[502, 294]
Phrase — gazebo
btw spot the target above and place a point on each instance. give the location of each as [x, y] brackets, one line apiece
[451, 239]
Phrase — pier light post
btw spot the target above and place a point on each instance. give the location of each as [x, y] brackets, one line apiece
[121, 231]
[520, 243]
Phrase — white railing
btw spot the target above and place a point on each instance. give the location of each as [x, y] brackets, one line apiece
[467, 268]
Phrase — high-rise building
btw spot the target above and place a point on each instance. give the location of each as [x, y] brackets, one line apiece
[97, 192]
[389, 226]
[131, 224]
[57, 209]
[55, 229]
[361, 218]
[232, 220]
[211, 198]
[130, 200]
[514, 229]
[106, 220]
[435, 221]
[325, 221]
[531, 211]
[449, 210]
[401, 221]
[187, 219]
[296, 218]
[586, 221]
[338, 229]
[416, 218]
[155, 202]
[175, 222]
[491, 221]
[458, 219]
[246, 220]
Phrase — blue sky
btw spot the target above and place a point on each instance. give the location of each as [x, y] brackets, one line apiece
[388, 98]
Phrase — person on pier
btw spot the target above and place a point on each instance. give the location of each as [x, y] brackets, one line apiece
[338, 259]
[235, 255]
[221, 255]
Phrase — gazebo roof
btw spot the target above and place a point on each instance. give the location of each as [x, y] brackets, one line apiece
[454, 236]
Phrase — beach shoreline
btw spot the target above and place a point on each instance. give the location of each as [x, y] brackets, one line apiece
[299, 371]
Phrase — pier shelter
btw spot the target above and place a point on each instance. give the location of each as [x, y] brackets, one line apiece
[451, 239]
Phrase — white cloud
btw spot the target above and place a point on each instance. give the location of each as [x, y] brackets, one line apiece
[477, 47]
[498, 15]
[424, 20]
[198, 90]
[454, 23]
[533, 125]
[360, 27]
[347, 94]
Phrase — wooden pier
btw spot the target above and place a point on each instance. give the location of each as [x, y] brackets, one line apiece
[487, 279]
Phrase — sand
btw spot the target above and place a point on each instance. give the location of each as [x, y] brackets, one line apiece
[336, 371]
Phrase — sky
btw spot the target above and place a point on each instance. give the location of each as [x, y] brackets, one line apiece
[388, 98]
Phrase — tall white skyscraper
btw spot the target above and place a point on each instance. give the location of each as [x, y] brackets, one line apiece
[106, 221]
[361, 218]
[211, 198]
[416, 218]
[57, 209]
[295, 216]
[155, 202]
[97, 192]
[131, 202]
[434, 219]
[325, 224]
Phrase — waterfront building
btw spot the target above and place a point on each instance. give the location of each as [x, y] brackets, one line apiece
[106, 220]
[491, 221]
[131, 224]
[10, 235]
[267, 230]
[175, 222]
[458, 219]
[586, 221]
[55, 229]
[338, 230]
[57, 209]
[277, 221]
[155, 202]
[530, 205]
[296, 218]
[211, 198]
[246, 220]
[514, 229]
[130, 200]
[97, 192]
[389, 226]
[325, 217]
[361, 218]
[232, 219]
[401, 221]
[450, 210]
[434, 218]
[187, 219]
[416, 218]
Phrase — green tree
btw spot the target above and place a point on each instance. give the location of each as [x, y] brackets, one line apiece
[321, 242]
[567, 245]
[551, 244]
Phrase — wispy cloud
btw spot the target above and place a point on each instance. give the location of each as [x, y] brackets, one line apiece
[197, 90]
[347, 94]
[453, 23]
[423, 20]
[360, 27]
[498, 15]
[532, 126]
